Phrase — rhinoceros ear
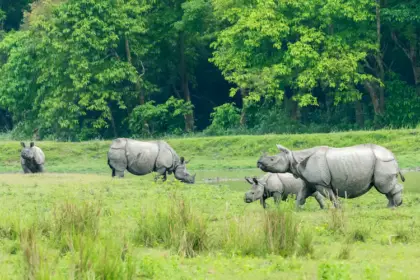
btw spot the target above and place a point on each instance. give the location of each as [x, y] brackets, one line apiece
[22, 144]
[248, 180]
[182, 160]
[32, 144]
[282, 149]
[255, 180]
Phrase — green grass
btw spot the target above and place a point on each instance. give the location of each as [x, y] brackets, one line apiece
[88, 226]
[220, 153]
[81, 226]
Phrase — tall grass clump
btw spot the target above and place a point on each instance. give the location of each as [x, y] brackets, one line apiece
[305, 243]
[280, 231]
[101, 259]
[337, 220]
[36, 264]
[78, 219]
[72, 222]
[175, 225]
[242, 235]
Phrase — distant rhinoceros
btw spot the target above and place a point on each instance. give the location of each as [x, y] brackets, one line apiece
[276, 185]
[32, 158]
[141, 158]
[349, 172]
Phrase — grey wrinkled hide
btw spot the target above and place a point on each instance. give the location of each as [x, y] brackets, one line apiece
[32, 158]
[347, 172]
[276, 185]
[141, 158]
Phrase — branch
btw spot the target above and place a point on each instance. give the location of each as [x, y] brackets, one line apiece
[395, 39]
[176, 91]
[143, 70]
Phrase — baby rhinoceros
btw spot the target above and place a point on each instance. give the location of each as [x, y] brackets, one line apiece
[278, 186]
[32, 158]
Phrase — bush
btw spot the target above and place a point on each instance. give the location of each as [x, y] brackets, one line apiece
[280, 231]
[175, 226]
[224, 117]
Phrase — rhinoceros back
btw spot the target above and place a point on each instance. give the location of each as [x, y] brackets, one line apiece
[351, 169]
[39, 155]
[141, 156]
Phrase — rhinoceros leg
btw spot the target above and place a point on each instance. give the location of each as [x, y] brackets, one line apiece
[303, 194]
[161, 173]
[262, 202]
[277, 196]
[385, 180]
[26, 170]
[41, 168]
[320, 199]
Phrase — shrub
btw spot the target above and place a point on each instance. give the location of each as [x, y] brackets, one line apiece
[175, 226]
[329, 271]
[280, 231]
[224, 117]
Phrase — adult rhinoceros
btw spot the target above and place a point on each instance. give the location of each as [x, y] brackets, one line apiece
[32, 158]
[347, 172]
[276, 185]
[141, 158]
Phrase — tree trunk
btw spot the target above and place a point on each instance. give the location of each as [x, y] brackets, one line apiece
[379, 59]
[373, 96]
[137, 85]
[360, 120]
[114, 127]
[189, 118]
[244, 94]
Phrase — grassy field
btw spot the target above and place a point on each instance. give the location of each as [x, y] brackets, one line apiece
[220, 153]
[80, 226]
[67, 224]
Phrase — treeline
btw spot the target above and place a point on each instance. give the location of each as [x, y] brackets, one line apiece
[85, 69]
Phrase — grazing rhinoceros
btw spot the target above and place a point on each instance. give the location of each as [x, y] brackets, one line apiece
[32, 158]
[276, 185]
[141, 158]
[347, 172]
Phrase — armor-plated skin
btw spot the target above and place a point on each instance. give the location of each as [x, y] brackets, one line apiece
[32, 158]
[141, 158]
[276, 185]
[347, 172]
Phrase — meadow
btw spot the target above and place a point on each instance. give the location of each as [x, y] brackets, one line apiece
[76, 222]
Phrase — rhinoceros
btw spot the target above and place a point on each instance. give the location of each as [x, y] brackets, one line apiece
[141, 158]
[276, 185]
[347, 172]
[32, 158]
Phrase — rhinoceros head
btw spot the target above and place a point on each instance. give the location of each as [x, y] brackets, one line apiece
[279, 163]
[27, 152]
[256, 192]
[182, 174]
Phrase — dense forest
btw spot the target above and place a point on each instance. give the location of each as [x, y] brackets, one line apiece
[86, 69]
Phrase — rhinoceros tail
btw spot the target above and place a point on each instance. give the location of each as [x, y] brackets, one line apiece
[402, 177]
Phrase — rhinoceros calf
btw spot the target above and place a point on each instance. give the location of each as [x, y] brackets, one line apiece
[141, 158]
[347, 172]
[32, 158]
[276, 185]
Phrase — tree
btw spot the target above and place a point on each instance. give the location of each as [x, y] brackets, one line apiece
[266, 46]
[79, 71]
[402, 19]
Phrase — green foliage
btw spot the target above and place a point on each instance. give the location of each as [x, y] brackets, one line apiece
[303, 52]
[403, 104]
[168, 117]
[330, 271]
[85, 69]
[224, 117]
